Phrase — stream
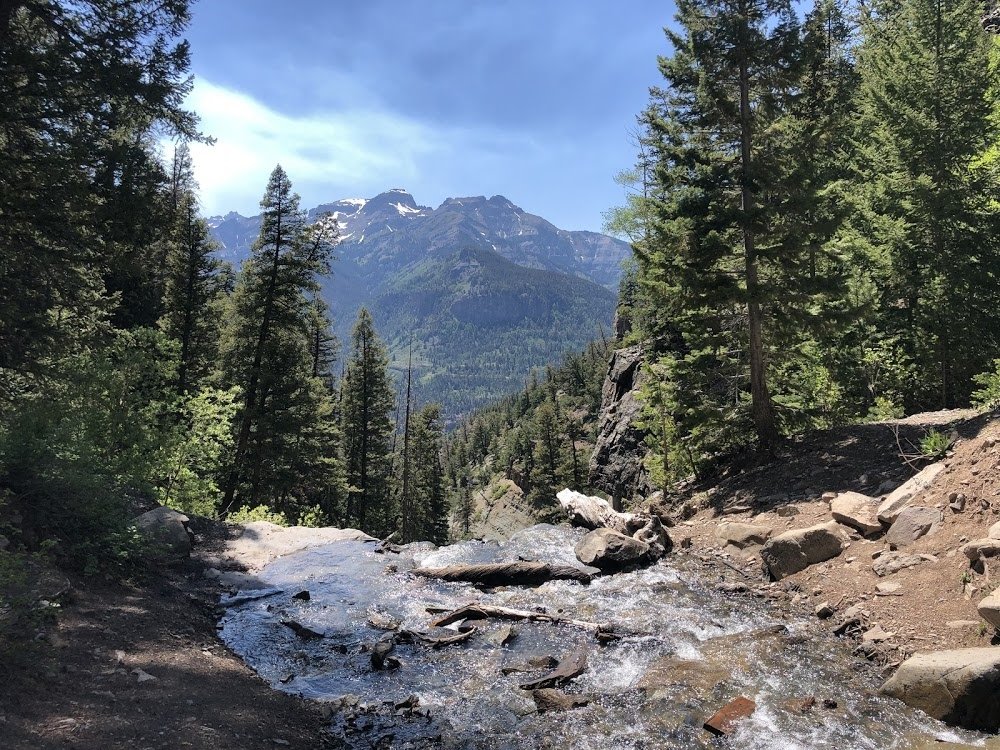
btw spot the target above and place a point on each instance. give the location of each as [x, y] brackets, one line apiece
[689, 649]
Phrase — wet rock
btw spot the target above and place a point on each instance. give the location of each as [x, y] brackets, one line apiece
[668, 671]
[893, 562]
[303, 596]
[166, 531]
[533, 664]
[572, 666]
[302, 631]
[550, 699]
[610, 550]
[961, 686]
[907, 493]
[502, 635]
[912, 523]
[801, 705]
[989, 609]
[742, 535]
[617, 464]
[857, 511]
[797, 549]
[380, 655]
[724, 720]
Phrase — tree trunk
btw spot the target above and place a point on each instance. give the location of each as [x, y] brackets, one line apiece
[761, 408]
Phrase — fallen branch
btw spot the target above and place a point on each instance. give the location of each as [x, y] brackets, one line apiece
[506, 574]
[436, 641]
[487, 611]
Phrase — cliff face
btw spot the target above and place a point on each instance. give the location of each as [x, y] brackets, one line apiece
[617, 463]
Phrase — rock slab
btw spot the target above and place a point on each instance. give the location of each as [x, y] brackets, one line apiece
[912, 523]
[742, 535]
[907, 493]
[989, 609]
[857, 511]
[961, 686]
[797, 549]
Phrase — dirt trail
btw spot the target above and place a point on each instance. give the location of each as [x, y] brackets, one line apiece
[139, 666]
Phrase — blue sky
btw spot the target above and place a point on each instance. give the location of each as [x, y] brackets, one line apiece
[531, 99]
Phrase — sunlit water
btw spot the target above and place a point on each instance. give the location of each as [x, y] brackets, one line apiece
[691, 650]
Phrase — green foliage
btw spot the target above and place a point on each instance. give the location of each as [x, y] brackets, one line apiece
[988, 394]
[934, 444]
[257, 513]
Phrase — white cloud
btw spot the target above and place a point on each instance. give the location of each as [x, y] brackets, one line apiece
[328, 155]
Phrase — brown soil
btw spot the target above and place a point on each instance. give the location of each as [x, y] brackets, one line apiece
[935, 606]
[77, 687]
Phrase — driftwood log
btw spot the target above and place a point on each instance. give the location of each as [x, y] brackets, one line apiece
[487, 611]
[594, 513]
[507, 574]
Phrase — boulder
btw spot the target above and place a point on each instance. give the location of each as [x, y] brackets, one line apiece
[912, 523]
[857, 511]
[994, 532]
[907, 493]
[617, 465]
[166, 530]
[961, 686]
[989, 609]
[797, 549]
[981, 548]
[742, 535]
[608, 549]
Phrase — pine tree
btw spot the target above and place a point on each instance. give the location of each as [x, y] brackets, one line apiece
[430, 522]
[738, 212]
[366, 405]
[928, 99]
[192, 294]
[285, 429]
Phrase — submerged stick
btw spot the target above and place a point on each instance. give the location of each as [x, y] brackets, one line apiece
[507, 574]
[488, 611]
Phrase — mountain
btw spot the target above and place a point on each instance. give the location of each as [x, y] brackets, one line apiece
[485, 290]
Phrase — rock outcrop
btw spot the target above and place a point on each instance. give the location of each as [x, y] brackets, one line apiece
[797, 549]
[616, 465]
[961, 686]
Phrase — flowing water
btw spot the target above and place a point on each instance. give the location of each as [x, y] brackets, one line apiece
[689, 650]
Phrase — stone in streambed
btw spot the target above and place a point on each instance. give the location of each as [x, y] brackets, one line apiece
[550, 699]
[724, 720]
[609, 550]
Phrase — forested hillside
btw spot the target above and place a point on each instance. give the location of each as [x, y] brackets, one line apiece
[135, 368]
[509, 460]
[814, 213]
